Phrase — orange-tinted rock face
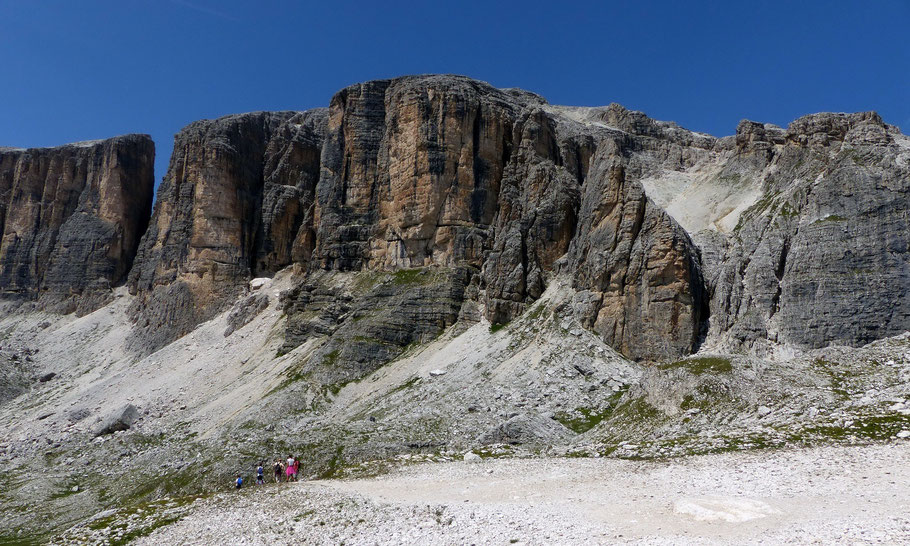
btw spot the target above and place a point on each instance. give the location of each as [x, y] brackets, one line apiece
[411, 172]
[442, 170]
[236, 201]
[637, 273]
[71, 218]
[420, 171]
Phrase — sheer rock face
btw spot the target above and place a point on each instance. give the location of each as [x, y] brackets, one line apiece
[411, 171]
[443, 170]
[822, 257]
[638, 273]
[71, 218]
[237, 200]
[796, 236]
[806, 228]
[422, 171]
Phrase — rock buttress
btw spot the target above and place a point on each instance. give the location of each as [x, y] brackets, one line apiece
[824, 255]
[71, 218]
[236, 201]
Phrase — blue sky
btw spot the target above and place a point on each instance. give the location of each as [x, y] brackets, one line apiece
[97, 68]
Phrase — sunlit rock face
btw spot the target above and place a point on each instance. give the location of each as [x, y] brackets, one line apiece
[670, 238]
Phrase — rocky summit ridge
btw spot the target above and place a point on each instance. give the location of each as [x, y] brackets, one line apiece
[432, 265]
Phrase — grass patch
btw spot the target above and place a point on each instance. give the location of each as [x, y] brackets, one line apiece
[25, 539]
[839, 385]
[582, 419]
[335, 465]
[759, 207]
[830, 218]
[406, 385]
[66, 491]
[862, 429]
[497, 326]
[536, 312]
[788, 210]
[701, 365]
[410, 276]
[330, 359]
[138, 520]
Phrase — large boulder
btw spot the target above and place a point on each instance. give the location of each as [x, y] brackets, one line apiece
[526, 429]
[121, 419]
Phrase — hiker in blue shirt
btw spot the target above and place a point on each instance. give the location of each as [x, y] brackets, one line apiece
[260, 479]
[239, 481]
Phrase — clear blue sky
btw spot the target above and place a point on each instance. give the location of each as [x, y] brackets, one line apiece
[77, 70]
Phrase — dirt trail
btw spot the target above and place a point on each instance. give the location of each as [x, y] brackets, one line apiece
[857, 495]
[727, 497]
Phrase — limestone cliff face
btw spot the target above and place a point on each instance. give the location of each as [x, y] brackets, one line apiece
[670, 238]
[411, 171]
[822, 257]
[438, 171]
[71, 218]
[237, 200]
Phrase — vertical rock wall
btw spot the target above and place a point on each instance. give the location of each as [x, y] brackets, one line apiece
[71, 218]
[236, 201]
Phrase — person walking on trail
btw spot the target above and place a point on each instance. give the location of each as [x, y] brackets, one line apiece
[260, 479]
[289, 471]
[296, 468]
[277, 470]
[239, 481]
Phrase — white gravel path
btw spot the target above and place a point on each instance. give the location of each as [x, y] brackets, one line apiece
[844, 495]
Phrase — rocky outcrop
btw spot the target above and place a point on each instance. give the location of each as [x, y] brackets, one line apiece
[443, 170]
[237, 200]
[121, 419]
[71, 218]
[370, 321]
[670, 238]
[822, 257]
[421, 171]
[638, 273]
[411, 171]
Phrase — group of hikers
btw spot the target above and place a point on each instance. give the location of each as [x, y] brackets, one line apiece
[286, 470]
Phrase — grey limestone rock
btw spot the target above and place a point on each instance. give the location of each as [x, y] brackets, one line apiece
[526, 429]
[119, 420]
[822, 256]
[71, 218]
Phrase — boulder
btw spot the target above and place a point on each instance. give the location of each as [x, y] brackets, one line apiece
[526, 429]
[471, 457]
[122, 419]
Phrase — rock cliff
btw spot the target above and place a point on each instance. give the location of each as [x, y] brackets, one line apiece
[821, 257]
[670, 240]
[71, 218]
[439, 171]
[237, 200]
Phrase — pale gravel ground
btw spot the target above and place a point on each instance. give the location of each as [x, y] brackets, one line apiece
[837, 495]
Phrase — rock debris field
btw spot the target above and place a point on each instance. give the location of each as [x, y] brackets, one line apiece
[843, 495]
